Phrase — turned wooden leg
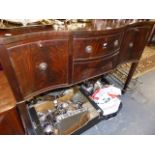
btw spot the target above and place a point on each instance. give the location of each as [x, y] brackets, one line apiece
[131, 72]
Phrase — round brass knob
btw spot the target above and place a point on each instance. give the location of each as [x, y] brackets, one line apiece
[40, 45]
[43, 66]
[104, 45]
[116, 43]
[89, 49]
[131, 44]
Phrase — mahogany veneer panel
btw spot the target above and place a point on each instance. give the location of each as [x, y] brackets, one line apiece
[7, 100]
[10, 122]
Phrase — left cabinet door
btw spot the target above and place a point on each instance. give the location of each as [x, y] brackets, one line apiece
[40, 65]
[10, 123]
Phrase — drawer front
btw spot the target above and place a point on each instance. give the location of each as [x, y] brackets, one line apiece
[39, 65]
[95, 47]
[85, 70]
[135, 39]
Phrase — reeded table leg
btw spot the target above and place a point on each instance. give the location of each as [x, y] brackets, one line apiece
[131, 72]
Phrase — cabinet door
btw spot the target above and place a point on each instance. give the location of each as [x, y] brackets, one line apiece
[10, 123]
[133, 43]
[40, 65]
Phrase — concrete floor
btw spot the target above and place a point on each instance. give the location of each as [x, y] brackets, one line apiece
[137, 117]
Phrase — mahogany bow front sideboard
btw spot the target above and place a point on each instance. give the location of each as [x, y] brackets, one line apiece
[39, 59]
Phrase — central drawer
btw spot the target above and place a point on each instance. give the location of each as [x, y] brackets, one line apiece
[84, 70]
[96, 47]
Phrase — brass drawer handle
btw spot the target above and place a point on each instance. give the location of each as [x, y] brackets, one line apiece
[116, 43]
[43, 66]
[7, 34]
[89, 49]
[131, 44]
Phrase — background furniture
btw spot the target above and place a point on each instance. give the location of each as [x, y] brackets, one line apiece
[10, 122]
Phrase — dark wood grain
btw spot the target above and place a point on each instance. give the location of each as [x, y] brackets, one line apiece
[28, 53]
[83, 70]
[1, 67]
[7, 100]
[134, 41]
[101, 46]
[10, 123]
[23, 30]
[151, 40]
[137, 36]
[9, 72]
[21, 55]
[25, 118]
[27, 59]
[67, 62]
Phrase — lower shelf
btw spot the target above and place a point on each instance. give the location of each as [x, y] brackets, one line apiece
[61, 112]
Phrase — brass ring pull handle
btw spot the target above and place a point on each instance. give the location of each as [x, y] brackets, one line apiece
[131, 44]
[116, 43]
[89, 49]
[43, 66]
